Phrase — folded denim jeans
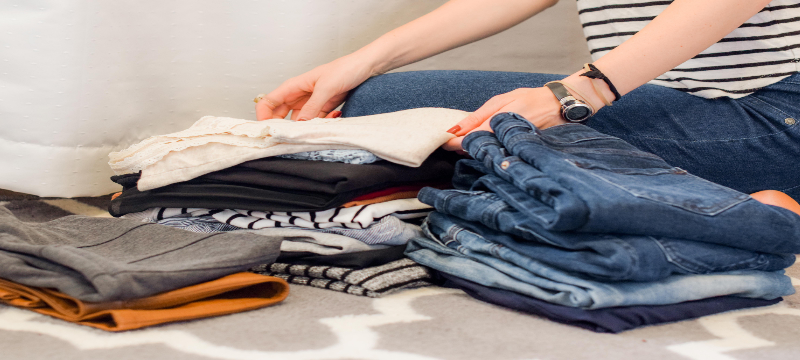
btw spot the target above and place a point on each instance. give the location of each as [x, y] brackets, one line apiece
[573, 178]
[602, 257]
[471, 257]
[607, 320]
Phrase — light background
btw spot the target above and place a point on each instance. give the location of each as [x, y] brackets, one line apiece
[79, 79]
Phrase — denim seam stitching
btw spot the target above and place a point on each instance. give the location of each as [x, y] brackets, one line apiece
[747, 98]
[791, 188]
[710, 214]
[788, 128]
[700, 269]
[669, 257]
[634, 256]
[769, 105]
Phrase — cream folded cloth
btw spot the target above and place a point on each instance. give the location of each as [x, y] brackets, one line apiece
[405, 137]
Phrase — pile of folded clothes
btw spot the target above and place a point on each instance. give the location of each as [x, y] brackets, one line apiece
[117, 274]
[585, 229]
[341, 193]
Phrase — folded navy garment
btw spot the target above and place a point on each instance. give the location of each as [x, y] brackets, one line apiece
[606, 320]
[353, 260]
[573, 178]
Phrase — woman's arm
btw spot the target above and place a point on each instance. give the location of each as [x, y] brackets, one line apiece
[684, 29]
[456, 23]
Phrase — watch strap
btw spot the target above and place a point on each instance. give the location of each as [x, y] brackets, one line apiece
[559, 90]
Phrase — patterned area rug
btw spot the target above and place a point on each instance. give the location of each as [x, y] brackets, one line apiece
[425, 323]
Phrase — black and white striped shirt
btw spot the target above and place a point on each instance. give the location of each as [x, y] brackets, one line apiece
[762, 51]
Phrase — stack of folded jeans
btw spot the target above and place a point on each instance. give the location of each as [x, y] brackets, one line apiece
[347, 194]
[582, 222]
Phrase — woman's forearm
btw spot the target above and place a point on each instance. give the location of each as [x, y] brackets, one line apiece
[456, 23]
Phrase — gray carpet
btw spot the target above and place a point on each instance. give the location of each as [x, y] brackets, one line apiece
[425, 323]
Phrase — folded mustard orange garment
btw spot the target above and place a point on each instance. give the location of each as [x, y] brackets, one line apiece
[230, 294]
[385, 198]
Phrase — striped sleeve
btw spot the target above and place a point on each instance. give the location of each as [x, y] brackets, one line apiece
[762, 51]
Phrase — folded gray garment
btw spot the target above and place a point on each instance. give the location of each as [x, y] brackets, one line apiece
[102, 259]
[294, 239]
[388, 231]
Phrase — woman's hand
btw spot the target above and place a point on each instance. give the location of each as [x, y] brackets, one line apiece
[537, 105]
[315, 93]
[453, 24]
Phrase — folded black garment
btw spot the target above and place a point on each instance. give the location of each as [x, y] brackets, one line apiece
[354, 260]
[606, 320]
[102, 259]
[333, 177]
[274, 184]
[319, 176]
[224, 196]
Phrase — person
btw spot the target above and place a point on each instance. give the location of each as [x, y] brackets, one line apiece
[710, 86]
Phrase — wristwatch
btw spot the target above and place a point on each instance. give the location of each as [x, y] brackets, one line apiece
[572, 109]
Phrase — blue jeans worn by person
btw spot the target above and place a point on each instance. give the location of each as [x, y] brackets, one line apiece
[471, 257]
[573, 178]
[603, 257]
[747, 144]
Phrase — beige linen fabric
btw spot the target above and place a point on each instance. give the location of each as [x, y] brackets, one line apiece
[405, 137]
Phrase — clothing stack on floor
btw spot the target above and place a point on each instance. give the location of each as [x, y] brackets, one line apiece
[341, 193]
[585, 229]
[117, 274]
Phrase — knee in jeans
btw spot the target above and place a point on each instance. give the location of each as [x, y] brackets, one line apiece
[777, 198]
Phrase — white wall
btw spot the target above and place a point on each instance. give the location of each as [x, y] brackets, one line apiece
[82, 78]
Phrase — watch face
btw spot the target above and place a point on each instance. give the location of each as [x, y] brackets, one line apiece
[577, 112]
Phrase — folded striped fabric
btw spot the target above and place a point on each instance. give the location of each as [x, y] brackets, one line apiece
[356, 217]
[371, 282]
[388, 231]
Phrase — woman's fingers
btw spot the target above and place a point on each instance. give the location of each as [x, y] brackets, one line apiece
[265, 108]
[454, 144]
[477, 121]
[332, 114]
[483, 113]
[277, 103]
[313, 106]
[281, 111]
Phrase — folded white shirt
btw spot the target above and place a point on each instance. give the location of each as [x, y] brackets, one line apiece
[405, 137]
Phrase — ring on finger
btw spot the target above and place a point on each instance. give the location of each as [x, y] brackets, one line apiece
[264, 97]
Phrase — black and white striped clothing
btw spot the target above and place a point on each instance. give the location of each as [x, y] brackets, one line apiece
[762, 51]
[356, 217]
[372, 281]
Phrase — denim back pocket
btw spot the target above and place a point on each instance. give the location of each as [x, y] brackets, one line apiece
[702, 258]
[664, 184]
